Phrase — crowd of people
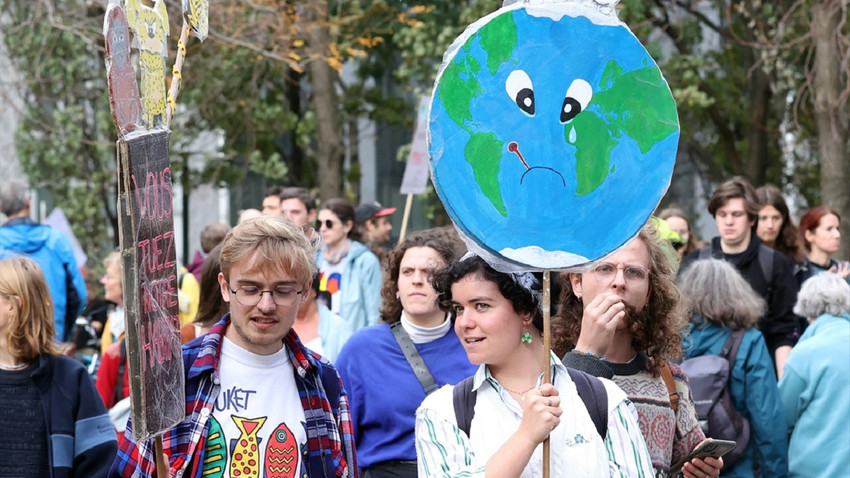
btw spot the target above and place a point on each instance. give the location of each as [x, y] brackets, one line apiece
[314, 348]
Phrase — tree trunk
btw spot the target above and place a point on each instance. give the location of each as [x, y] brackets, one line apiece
[829, 81]
[760, 94]
[355, 172]
[323, 79]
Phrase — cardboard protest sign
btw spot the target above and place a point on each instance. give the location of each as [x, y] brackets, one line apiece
[417, 170]
[552, 134]
[149, 259]
[142, 116]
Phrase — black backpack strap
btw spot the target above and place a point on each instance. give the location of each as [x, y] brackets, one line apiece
[731, 346]
[595, 398]
[730, 352]
[463, 399]
[766, 263]
[119, 386]
[413, 358]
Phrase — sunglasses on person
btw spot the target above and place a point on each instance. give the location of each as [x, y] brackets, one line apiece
[327, 222]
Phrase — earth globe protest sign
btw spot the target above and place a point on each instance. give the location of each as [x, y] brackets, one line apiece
[552, 134]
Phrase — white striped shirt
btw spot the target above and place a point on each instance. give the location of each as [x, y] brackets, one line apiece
[575, 450]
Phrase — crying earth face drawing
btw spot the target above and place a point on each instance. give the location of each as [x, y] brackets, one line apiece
[552, 135]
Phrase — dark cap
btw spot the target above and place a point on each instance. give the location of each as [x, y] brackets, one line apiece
[367, 211]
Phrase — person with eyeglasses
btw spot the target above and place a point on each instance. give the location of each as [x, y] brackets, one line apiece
[257, 400]
[622, 320]
[349, 273]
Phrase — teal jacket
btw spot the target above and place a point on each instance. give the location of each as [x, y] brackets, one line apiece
[360, 288]
[333, 332]
[814, 390]
[754, 394]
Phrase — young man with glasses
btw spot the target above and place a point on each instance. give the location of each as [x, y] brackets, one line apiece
[623, 319]
[257, 402]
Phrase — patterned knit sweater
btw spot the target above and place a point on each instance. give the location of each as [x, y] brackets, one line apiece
[669, 436]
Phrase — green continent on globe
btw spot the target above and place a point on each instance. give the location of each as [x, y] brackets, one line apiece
[498, 40]
[640, 91]
[484, 153]
[457, 93]
[593, 151]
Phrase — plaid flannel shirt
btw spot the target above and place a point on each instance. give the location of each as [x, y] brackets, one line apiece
[330, 441]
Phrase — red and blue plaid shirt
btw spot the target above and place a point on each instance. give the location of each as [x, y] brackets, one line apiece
[330, 443]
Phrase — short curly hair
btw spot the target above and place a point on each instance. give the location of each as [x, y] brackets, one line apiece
[523, 300]
[656, 331]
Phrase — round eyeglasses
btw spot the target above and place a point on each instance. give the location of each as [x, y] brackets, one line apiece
[250, 296]
[633, 275]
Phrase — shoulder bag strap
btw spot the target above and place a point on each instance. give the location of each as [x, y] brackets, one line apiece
[667, 375]
[730, 348]
[413, 358]
[463, 400]
[595, 397]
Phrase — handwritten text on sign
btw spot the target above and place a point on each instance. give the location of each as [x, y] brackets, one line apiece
[150, 283]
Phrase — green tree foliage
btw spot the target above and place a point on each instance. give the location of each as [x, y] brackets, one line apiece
[65, 139]
[741, 73]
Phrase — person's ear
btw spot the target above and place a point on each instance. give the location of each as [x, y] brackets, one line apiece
[575, 282]
[809, 236]
[225, 288]
[347, 225]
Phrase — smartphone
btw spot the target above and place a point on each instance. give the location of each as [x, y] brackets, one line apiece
[710, 447]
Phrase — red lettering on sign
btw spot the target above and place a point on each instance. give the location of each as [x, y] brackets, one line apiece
[159, 294]
[156, 252]
[156, 341]
[154, 199]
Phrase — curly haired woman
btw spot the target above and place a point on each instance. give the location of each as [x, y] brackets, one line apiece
[623, 320]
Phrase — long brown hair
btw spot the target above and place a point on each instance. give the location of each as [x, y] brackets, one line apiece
[437, 240]
[31, 331]
[656, 331]
[788, 241]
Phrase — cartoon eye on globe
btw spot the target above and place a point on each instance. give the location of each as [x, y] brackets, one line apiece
[552, 134]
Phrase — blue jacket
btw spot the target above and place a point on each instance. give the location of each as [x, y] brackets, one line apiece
[754, 394]
[52, 251]
[814, 389]
[81, 438]
[360, 289]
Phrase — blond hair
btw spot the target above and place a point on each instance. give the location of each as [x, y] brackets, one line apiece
[31, 330]
[283, 245]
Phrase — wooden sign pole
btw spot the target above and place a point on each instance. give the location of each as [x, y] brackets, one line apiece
[547, 346]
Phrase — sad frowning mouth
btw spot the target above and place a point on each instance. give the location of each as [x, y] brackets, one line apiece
[513, 147]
